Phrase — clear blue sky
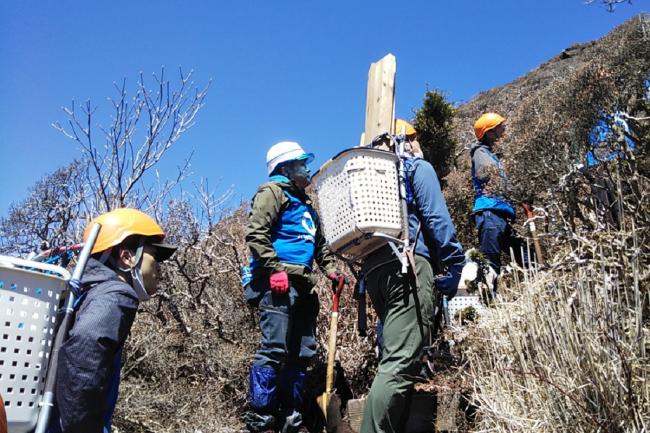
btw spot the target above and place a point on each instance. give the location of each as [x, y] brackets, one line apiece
[280, 69]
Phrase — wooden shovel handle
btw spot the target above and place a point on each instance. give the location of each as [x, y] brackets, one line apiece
[338, 289]
[331, 347]
[533, 232]
[331, 352]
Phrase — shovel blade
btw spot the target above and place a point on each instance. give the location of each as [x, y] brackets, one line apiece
[330, 404]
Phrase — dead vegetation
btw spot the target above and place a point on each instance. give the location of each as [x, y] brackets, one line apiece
[567, 349]
[550, 113]
[564, 349]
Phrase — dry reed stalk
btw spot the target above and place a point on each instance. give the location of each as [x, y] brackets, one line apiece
[564, 350]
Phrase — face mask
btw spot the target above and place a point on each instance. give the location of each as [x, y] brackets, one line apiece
[137, 282]
[301, 171]
[305, 172]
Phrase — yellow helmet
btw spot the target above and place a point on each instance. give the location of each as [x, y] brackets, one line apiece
[403, 124]
[486, 122]
[121, 223]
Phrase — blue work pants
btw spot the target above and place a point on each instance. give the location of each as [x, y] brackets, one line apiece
[495, 235]
[288, 343]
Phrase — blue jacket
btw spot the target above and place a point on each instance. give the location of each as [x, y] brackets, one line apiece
[605, 145]
[484, 161]
[89, 359]
[283, 232]
[428, 210]
[293, 235]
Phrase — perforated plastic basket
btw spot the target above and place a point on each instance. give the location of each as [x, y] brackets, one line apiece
[461, 302]
[29, 298]
[358, 195]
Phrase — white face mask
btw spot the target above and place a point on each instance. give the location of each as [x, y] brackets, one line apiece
[137, 282]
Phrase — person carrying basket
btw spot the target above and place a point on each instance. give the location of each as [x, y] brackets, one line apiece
[405, 302]
[122, 272]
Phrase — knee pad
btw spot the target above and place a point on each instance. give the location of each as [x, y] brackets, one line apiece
[292, 386]
[263, 385]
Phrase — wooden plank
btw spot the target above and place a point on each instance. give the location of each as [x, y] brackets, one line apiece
[421, 416]
[447, 411]
[380, 98]
[355, 413]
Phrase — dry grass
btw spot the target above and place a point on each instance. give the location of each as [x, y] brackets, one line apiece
[567, 349]
[564, 350]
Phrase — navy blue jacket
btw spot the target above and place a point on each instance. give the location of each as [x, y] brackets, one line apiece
[89, 357]
[427, 208]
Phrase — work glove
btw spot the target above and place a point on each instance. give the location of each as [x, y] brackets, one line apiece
[335, 276]
[246, 276]
[279, 282]
[448, 284]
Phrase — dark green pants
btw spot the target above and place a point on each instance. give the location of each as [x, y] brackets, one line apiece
[406, 316]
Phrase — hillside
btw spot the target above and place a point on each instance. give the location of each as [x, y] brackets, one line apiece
[550, 112]
[563, 346]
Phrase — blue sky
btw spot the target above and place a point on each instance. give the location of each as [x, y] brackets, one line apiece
[280, 69]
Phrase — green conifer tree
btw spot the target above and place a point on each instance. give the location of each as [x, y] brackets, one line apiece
[434, 125]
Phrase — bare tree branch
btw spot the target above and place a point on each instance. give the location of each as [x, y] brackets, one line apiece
[118, 170]
[609, 4]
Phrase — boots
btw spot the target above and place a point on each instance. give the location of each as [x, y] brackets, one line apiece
[257, 423]
[292, 387]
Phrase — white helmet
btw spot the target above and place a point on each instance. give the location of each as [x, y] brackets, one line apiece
[285, 151]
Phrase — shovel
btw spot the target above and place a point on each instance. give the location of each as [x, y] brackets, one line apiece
[533, 232]
[325, 400]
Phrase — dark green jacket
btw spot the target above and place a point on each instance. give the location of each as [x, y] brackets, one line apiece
[268, 204]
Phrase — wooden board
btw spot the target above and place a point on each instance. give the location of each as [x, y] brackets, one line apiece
[355, 413]
[447, 410]
[422, 415]
[380, 98]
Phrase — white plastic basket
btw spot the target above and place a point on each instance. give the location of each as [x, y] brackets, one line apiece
[358, 195]
[29, 297]
[459, 303]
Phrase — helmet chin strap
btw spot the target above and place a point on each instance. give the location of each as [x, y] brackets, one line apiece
[137, 282]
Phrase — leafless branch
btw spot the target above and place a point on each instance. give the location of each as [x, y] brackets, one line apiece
[609, 4]
[118, 169]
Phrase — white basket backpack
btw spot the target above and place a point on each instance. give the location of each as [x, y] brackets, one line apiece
[30, 293]
[362, 202]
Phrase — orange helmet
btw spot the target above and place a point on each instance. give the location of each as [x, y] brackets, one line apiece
[486, 122]
[403, 124]
[119, 224]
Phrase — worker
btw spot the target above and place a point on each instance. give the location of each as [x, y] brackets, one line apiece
[284, 238]
[123, 271]
[493, 213]
[405, 302]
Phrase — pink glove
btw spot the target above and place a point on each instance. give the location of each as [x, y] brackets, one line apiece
[335, 276]
[279, 282]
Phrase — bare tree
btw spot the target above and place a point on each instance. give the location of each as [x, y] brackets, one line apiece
[50, 216]
[117, 167]
[118, 156]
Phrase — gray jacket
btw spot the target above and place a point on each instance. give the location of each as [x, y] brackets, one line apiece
[484, 163]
